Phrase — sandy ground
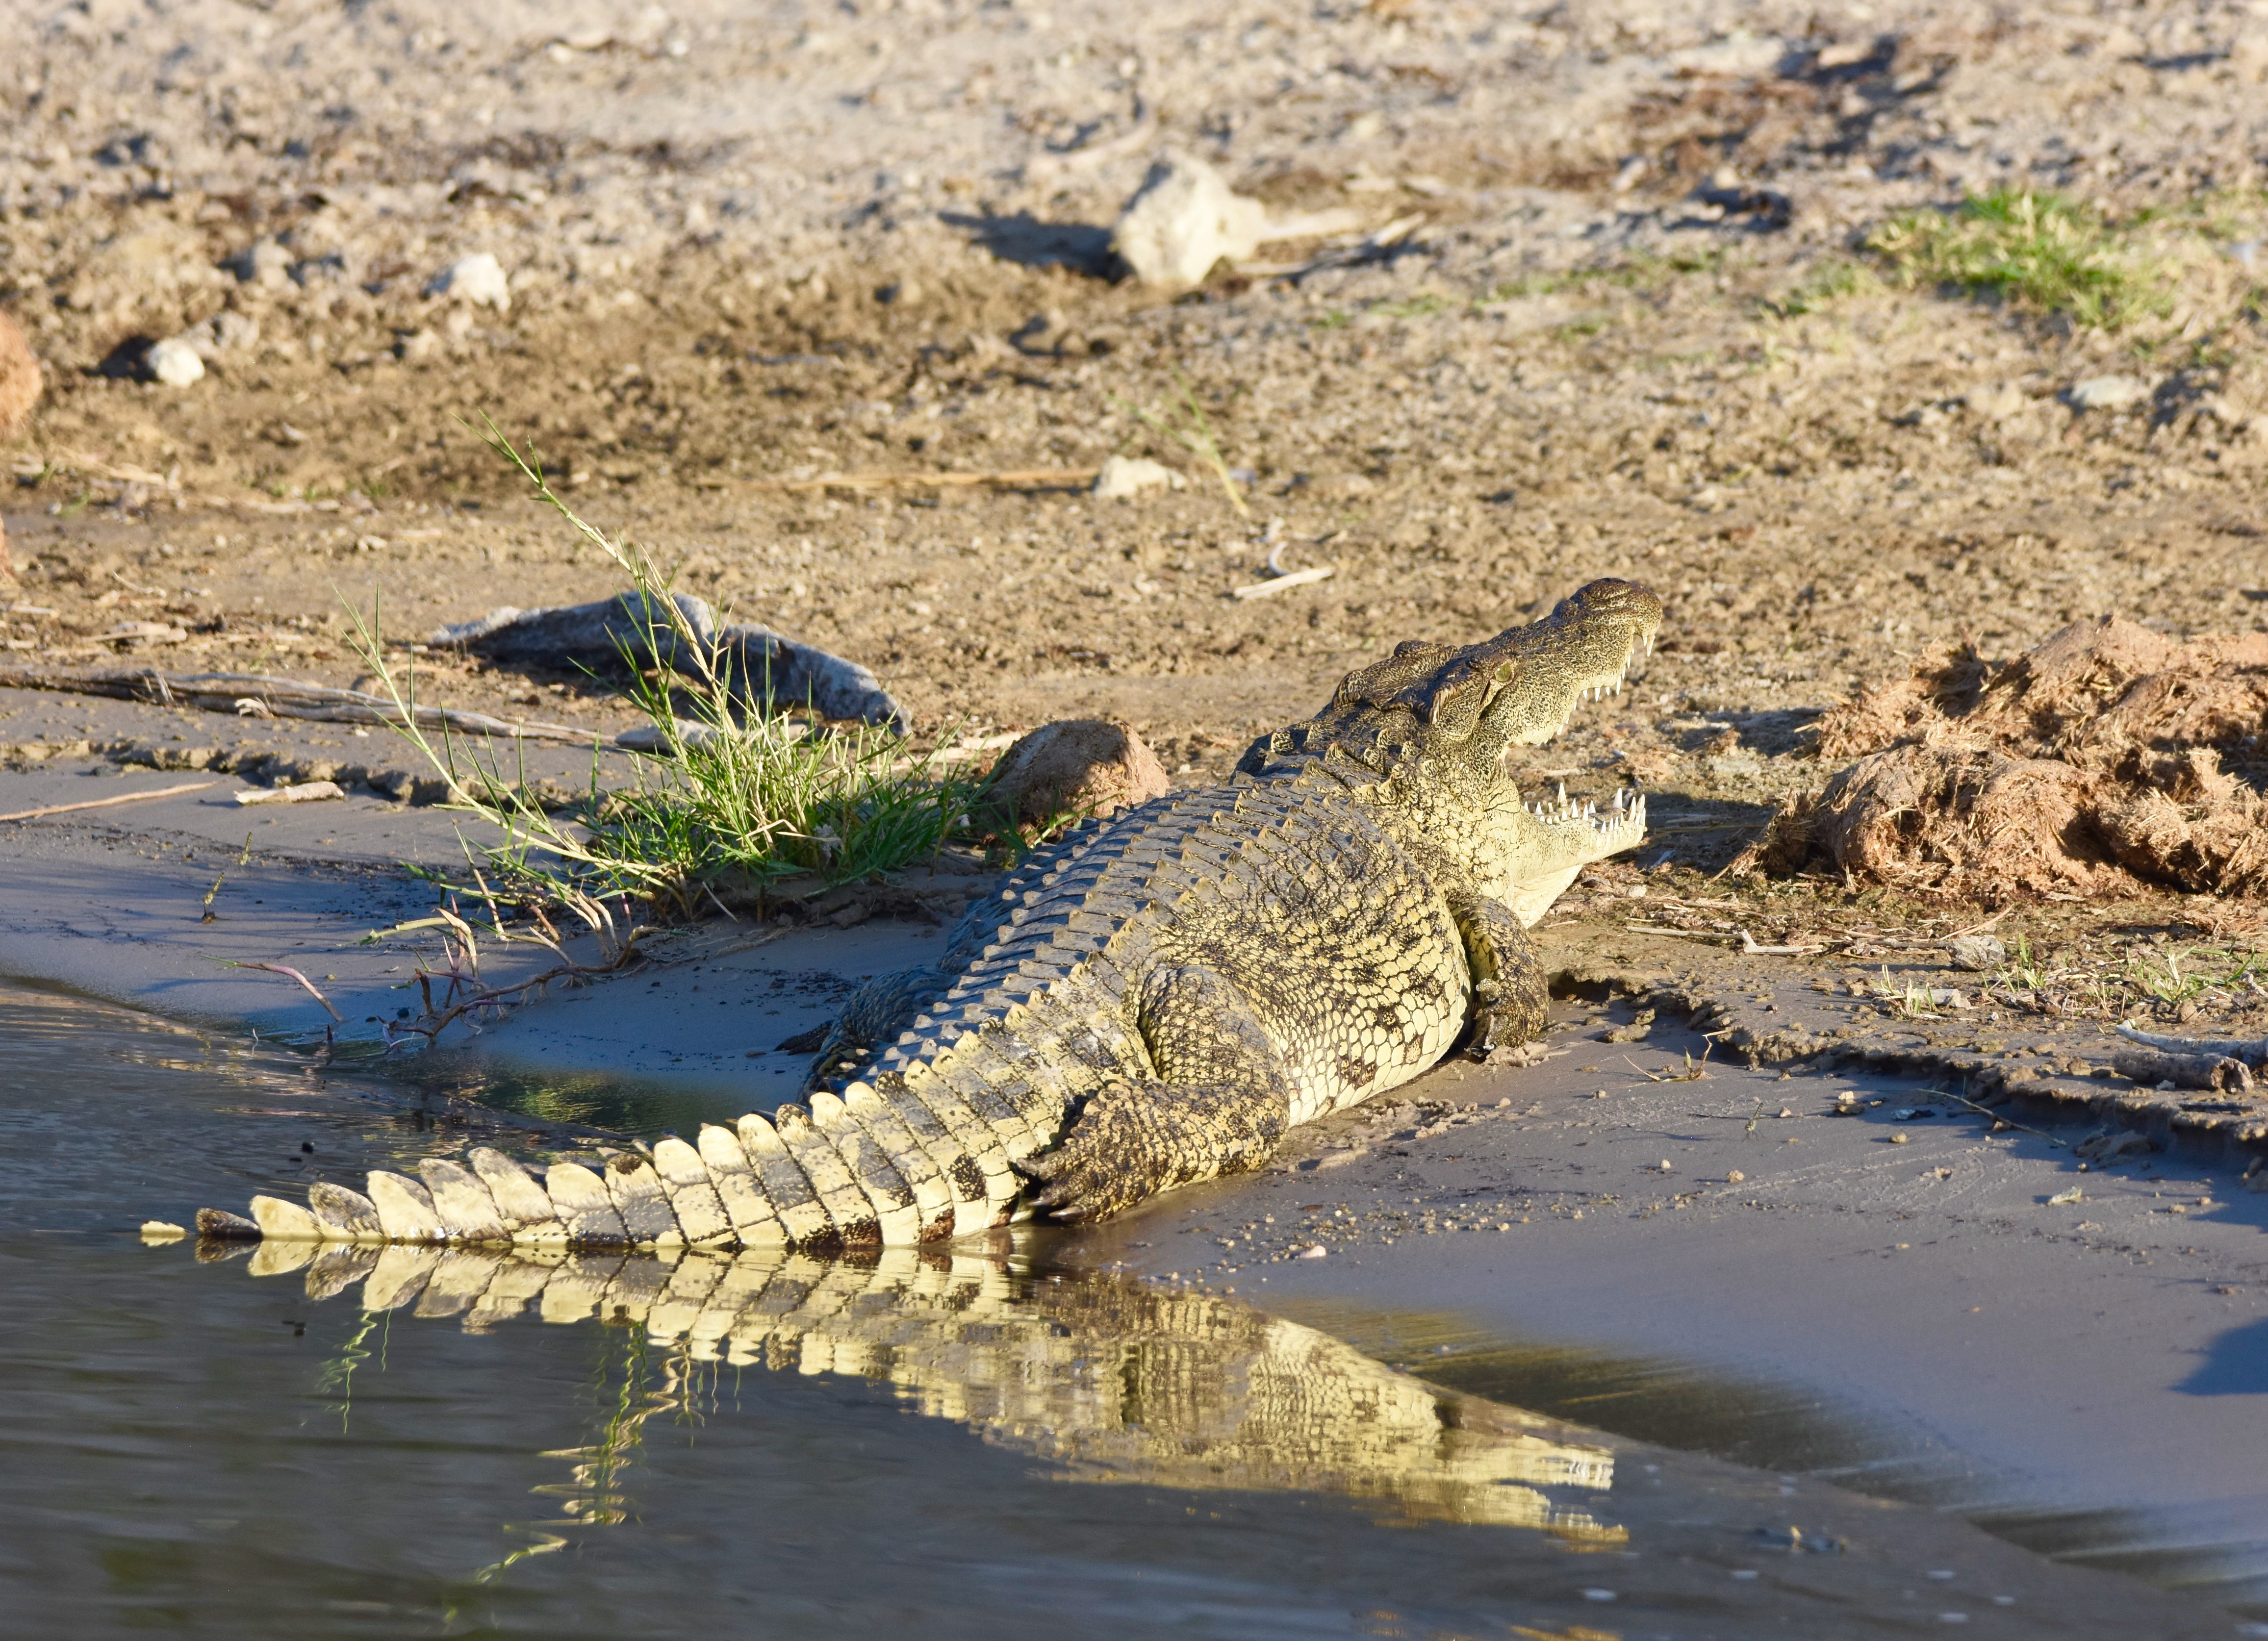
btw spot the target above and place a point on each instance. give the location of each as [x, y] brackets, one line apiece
[753, 247]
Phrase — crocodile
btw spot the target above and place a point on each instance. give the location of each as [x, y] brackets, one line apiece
[1151, 1001]
[1101, 1376]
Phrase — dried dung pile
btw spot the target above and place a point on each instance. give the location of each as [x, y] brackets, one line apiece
[2108, 754]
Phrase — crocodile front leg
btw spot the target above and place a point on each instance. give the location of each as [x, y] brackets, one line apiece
[1511, 990]
[1218, 1105]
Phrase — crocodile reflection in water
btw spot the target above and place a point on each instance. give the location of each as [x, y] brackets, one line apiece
[1109, 1380]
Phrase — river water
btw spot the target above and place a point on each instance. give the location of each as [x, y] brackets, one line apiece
[992, 1443]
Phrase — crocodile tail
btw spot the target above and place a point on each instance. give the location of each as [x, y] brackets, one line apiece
[872, 1168]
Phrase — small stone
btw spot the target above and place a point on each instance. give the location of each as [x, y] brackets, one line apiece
[264, 263]
[1736, 1178]
[1978, 953]
[1184, 220]
[227, 332]
[157, 1232]
[1318, 1251]
[1124, 477]
[1074, 767]
[1898, 1139]
[174, 362]
[2107, 393]
[478, 279]
[1997, 402]
[416, 346]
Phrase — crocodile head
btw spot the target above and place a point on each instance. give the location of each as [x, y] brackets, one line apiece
[1425, 733]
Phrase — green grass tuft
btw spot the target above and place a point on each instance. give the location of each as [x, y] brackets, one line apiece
[1827, 283]
[727, 805]
[2034, 250]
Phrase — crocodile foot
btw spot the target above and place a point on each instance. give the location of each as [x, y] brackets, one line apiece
[1135, 1140]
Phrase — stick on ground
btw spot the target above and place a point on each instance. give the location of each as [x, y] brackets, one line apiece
[105, 803]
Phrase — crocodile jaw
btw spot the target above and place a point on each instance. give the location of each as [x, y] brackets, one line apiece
[1582, 651]
[1550, 842]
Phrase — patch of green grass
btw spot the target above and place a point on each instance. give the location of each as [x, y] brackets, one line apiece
[2034, 250]
[1641, 272]
[1416, 307]
[1829, 282]
[1334, 318]
[727, 804]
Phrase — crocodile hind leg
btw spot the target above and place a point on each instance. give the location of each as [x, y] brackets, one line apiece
[874, 1015]
[1511, 989]
[1218, 1105]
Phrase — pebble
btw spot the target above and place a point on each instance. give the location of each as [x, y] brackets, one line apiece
[1183, 221]
[1978, 953]
[1318, 1251]
[264, 263]
[2107, 393]
[478, 279]
[1124, 477]
[1898, 1139]
[1736, 1178]
[173, 361]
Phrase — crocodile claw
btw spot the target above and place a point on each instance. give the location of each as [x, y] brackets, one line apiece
[1101, 1168]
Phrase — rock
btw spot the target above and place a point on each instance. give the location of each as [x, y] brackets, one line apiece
[1125, 477]
[478, 279]
[143, 632]
[223, 332]
[2107, 392]
[1978, 953]
[173, 361]
[1076, 767]
[264, 263]
[416, 346]
[1998, 402]
[765, 668]
[1183, 221]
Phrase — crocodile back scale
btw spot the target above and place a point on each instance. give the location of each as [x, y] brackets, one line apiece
[1151, 1001]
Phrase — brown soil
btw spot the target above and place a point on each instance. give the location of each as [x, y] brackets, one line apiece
[2093, 761]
